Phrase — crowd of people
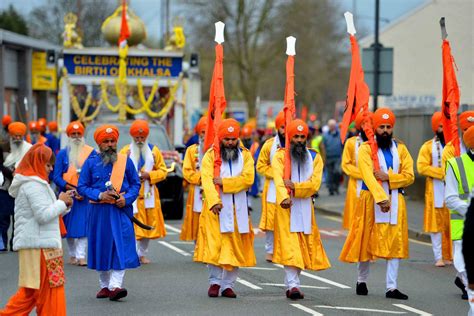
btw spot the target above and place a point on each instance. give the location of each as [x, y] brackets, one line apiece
[106, 205]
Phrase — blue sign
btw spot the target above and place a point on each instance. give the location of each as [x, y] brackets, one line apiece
[137, 66]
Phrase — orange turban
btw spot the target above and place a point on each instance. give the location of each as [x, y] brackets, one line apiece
[201, 125]
[436, 121]
[360, 118]
[17, 128]
[229, 128]
[297, 127]
[468, 137]
[34, 161]
[139, 128]
[75, 126]
[42, 122]
[383, 116]
[6, 119]
[33, 126]
[280, 120]
[466, 120]
[53, 126]
[105, 131]
[246, 131]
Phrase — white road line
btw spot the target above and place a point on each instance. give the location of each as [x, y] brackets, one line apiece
[411, 309]
[248, 284]
[301, 286]
[259, 268]
[173, 229]
[307, 309]
[170, 246]
[333, 218]
[315, 277]
[326, 232]
[171, 234]
[182, 242]
[359, 309]
[419, 242]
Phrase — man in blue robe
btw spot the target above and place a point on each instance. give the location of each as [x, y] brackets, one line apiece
[111, 237]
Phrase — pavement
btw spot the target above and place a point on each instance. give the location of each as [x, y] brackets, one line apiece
[174, 285]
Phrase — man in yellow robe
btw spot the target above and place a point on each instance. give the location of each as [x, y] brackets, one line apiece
[466, 120]
[225, 238]
[192, 174]
[350, 167]
[379, 227]
[151, 168]
[436, 220]
[298, 244]
[264, 167]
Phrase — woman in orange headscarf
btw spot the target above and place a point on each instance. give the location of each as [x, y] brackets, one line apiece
[37, 237]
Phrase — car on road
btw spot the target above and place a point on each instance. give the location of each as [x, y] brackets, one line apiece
[171, 189]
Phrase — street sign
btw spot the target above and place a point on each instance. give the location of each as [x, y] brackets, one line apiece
[385, 70]
[43, 74]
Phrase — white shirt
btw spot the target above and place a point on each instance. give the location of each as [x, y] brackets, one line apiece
[451, 194]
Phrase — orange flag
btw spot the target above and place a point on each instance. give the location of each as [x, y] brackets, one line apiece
[450, 103]
[289, 109]
[124, 30]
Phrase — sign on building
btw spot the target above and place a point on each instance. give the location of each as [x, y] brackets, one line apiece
[43, 75]
[385, 69]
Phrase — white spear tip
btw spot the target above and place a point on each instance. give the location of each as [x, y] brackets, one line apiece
[350, 23]
[290, 46]
[219, 38]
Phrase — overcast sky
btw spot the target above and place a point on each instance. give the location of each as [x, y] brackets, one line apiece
[149, 10]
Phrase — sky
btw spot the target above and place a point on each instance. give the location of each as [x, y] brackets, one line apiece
[150, 11]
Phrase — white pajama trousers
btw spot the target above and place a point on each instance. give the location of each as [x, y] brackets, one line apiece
[224, 278]
[111, 279]
[269, 238]
[436, 244]
[458, 261]
[391, 274]
[292, 277]
[77, 247]
[142, 247]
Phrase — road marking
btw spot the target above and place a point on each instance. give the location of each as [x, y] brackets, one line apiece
[248, 284]
[260, 268]
[171, 234]
[173, 229]
[411, 309]
[359, 309]
[170, 246]
[301, 286]
[182, 242]
[326, 232]
[315, 277]
[333, 218]
[307, 309]
[420, 242]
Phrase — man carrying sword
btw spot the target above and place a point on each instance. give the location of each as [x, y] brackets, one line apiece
[111, 237]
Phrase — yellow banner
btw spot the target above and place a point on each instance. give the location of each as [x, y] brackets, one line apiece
[43, 77]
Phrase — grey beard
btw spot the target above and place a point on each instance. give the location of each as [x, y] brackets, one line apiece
[17, 143]
[229, 154]
[108, 157]
[298, 152]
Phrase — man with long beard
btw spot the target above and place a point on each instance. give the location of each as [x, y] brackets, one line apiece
[298, 244]
[111, 184]
[436, 219]
[350, 167]
[264, 167]
[379, 227]
[18, 149]
[35, 134]
[192, 174]
[225, 238]
[67, 169]
[151, 168]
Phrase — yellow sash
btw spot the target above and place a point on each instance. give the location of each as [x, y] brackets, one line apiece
[71, 176]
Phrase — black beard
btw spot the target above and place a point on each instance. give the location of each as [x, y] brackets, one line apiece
[229, 154]
[281, 137]
[298, 152]
[108, 155]
[440, 137]
[384, 141]
[363, 136]
[247, 142]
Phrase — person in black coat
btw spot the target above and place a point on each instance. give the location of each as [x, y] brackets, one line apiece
[468, 250]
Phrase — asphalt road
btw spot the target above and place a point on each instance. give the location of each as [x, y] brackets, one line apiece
[174, 285]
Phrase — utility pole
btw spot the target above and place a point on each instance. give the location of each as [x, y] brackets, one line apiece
[376, 47]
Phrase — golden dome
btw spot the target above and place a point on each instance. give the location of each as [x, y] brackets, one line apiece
[111, 28]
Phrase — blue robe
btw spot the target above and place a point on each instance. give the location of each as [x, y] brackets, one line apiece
[52, 142]
[111, 237]
[76, 220]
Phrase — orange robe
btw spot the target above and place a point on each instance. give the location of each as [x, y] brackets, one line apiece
[349, 166]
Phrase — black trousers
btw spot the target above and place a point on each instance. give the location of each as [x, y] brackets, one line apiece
[333, 168]
[6, 217]
[468, 243]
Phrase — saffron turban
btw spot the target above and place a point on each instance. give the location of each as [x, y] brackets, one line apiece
[75, 126]
[6, 119]
[468, 137]
[53, 126]
[104, 132]
[383, 116]
[297, 127]
[33, 126]
[280, 120]
[466, 120]
[246, 131]
[360, 119]
[17, 128]
[139, 128]
[436, 121]
[229, 128]
[42, 122]
[201, 125]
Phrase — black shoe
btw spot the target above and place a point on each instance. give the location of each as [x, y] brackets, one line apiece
[396, 294]
[461, 286]
[361, 288]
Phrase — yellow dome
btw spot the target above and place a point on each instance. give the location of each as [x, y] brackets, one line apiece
[111, 28]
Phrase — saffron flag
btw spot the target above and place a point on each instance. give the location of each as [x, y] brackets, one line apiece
[122, 42]
[289, 107]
